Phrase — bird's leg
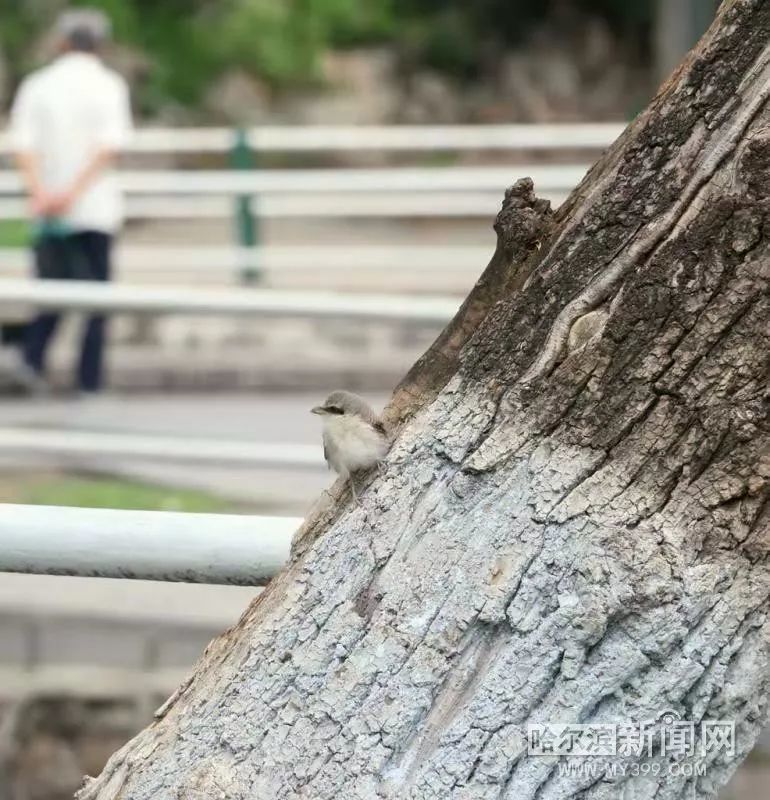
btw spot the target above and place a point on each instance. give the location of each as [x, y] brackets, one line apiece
[353, 488]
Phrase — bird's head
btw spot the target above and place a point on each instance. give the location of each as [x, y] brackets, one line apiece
[342, 403]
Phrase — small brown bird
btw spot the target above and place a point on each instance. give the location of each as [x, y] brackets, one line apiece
[354, 437]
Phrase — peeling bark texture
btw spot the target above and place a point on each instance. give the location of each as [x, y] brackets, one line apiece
[573, 523]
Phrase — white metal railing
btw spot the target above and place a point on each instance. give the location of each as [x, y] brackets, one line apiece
[193, 548]
[144, 260]
[547, 177]
[324, 206]
[590, 136]
[112, 298]
[394, 192]
[386, 192]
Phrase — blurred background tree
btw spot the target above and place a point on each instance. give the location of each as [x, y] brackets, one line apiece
[188, 42]
[180, 53]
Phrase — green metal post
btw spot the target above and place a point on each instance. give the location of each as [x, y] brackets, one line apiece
[246, 218]
[678, 26]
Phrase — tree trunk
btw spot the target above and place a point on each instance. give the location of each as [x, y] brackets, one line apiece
[572, 525]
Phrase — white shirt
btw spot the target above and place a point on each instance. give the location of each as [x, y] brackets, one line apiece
[64, 114]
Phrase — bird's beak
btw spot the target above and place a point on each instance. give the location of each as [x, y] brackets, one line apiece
[318, 410]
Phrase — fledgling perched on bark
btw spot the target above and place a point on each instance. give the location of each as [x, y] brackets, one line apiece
[354, 437]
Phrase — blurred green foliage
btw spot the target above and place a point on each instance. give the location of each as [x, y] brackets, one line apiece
[190, 41]
[14, 233]
[115, 493]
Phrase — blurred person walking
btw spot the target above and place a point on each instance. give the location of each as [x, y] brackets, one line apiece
[69, 121]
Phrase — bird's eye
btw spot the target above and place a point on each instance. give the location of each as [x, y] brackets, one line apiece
[334, 410]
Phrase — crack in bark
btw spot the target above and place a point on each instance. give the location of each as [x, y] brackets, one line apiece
[719, 337]
[458, 686]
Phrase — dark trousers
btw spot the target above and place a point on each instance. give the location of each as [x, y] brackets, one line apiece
[83, 256]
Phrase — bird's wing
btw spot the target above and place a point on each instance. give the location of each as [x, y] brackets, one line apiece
[326, 451]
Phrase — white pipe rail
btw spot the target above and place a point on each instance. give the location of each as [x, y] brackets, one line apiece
[581, 136]
[111, 298]
[398, 205]
[141, 259]
[557, 178]
[91, 446]
[144, 545]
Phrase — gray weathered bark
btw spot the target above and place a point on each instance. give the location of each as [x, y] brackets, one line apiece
[564, 531]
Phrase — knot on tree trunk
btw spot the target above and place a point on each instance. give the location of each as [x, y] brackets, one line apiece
[523, 220]
[522, 224]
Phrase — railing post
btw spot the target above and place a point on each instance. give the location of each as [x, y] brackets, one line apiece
[678, 26]
[246, 218]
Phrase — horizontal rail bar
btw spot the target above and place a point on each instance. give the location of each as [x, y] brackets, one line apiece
[157, 259]
[79, 444]
[144, 545]
[398, 205]
[111, 298]
[304, 181]
[591, 136]
[582, 136]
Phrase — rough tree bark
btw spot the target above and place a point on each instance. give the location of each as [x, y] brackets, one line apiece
[573, 523]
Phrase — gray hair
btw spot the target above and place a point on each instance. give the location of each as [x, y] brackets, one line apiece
[84, 28]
